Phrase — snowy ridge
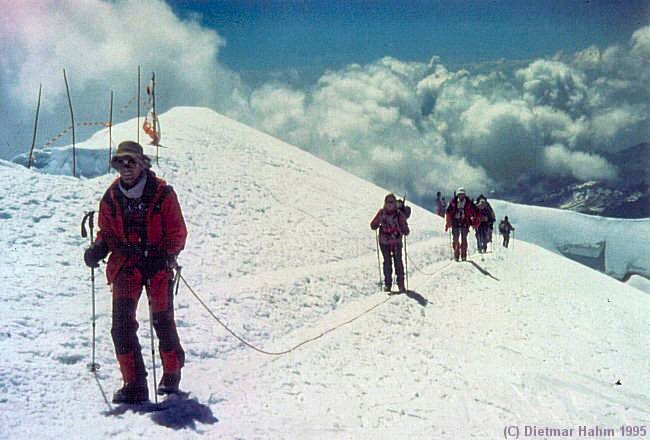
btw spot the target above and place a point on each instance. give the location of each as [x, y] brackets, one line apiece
[281, 250]
[627, 240]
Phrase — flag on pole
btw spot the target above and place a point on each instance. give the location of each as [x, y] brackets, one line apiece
[151, 125]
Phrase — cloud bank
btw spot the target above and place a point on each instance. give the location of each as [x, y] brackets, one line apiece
[413, 127]
[421, 127]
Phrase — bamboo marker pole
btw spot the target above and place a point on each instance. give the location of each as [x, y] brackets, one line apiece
[38, 107]
[74, 151]
[110, 132]
[138, 99]
[155, 117]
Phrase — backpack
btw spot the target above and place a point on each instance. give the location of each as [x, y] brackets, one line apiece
[503, 228]
[390, 225]
[406, 210]
[401, 207]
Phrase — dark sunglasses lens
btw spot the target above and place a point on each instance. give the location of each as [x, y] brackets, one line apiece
[124, 163]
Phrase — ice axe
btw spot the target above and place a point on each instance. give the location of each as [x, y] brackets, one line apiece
[89, 217]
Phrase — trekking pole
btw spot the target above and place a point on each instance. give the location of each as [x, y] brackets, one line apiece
[406, 262]
[153, 350]
[378, 262]
[178, 278]
[491, 235]
[513, 240]
[93, 366]
[406, 255]
[451, 245]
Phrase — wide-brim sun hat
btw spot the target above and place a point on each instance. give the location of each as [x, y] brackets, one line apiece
[131, 149]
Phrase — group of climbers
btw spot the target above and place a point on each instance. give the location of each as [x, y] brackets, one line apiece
[461, 214]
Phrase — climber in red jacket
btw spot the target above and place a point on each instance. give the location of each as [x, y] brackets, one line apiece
[461, 214]
[142, 227]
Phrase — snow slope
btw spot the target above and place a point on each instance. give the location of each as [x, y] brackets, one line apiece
[281, 250]
[640, 283]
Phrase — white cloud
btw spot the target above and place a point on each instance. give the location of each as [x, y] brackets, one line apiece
[589, 58]
[554, 125]
[280, 109]
[641, 43]
[618, 124]
[386, 157]
[554, 84]
[583, 166]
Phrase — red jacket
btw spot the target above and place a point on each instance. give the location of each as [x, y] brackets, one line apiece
[471, 214]
[392, 225]
[165, 227]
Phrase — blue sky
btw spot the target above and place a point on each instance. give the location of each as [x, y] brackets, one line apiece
[269, 37]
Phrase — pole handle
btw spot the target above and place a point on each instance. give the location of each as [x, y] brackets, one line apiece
[91, 222]
[88, 217]
[178, 279]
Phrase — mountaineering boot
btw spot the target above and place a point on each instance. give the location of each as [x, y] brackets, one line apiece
[132, 392]
[169, 383]
[387, 288]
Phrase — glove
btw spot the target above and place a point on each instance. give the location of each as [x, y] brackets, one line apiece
[446, 227]
[172, 264]
[95, 253]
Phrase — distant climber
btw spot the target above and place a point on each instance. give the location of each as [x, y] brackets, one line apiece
[392, 224]
[486, 219]
[504, 229]
[461, 214]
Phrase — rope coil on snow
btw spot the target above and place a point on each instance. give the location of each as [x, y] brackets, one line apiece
[278, 353]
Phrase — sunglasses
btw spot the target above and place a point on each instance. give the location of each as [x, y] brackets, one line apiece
[123, 163]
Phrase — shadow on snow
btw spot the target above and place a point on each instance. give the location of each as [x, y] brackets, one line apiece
[176, 412]
[483, 271]
[414, 295]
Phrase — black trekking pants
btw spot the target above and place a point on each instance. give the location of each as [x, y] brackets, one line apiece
[127, 289]
[392, 252]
